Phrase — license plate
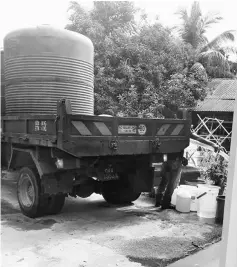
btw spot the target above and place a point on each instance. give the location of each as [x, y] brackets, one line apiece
[110, 174]
[109, 177]
[127, 129]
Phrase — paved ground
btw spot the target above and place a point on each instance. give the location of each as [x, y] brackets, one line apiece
[89, 232]
[209, 257]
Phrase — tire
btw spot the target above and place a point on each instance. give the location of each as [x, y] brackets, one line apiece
[119, 192]
[29, 193]
[134, 196]
[55, 204]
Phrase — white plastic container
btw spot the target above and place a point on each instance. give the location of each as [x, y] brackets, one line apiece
[193, 190]
[183, 201]
[197, 158]
[194, 201]
[207, 203]
[174, 196]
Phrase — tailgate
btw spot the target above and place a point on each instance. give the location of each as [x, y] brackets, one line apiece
[92, 135]
[146, 128]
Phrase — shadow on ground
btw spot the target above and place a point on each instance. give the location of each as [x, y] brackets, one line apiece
[140, 231]
[7, 208]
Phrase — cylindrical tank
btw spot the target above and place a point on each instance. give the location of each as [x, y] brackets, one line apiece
[44, 64]
[2, 85]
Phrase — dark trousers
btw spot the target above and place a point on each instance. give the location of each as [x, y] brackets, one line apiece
[170, 178]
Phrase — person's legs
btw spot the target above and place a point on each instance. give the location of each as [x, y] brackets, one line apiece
[174, 176]
[162, 186]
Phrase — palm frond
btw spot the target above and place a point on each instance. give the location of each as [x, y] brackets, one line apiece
[203, 39]
[197, 67]
[183, 14]
[216, 71]
[213, 56]
[195, 12]
[221, 38]
[194, 26]
[229, 49]
[73, 5]
[195, 9]
[211, 18]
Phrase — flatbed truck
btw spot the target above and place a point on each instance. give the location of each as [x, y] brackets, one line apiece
[77, 155]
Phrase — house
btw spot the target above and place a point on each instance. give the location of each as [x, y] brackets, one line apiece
[218, 104]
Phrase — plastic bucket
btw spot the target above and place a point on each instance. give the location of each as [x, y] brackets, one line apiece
[207, 204]
[188, 188]
[194, 201]
[193, 191]
[183, 201]
[195, 182]
[174, 197]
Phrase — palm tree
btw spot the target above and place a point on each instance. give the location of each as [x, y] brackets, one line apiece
[212, 55]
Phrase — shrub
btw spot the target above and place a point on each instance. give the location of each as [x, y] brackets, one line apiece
[214, 170]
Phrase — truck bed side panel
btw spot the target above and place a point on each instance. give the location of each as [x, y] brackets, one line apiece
[82, 135]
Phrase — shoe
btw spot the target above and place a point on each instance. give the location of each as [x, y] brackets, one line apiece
[167, 207]
[159, 209]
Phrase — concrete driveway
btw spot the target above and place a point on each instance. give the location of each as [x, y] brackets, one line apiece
[89, 232]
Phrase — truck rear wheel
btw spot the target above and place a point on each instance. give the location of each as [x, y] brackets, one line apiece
[55, 204]
[29, 193]
[119, 192]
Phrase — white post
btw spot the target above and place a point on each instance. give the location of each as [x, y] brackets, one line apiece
[228, 256]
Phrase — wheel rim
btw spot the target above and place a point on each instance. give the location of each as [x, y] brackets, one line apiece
[26, 191]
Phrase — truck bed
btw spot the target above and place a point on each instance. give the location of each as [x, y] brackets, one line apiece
[82, 135]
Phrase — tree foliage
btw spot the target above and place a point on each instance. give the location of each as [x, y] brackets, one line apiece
[212, 55]
[195, 24]
[135, 64]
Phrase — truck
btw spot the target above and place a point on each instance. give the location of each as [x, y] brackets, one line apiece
[78, 155]
[63, 153]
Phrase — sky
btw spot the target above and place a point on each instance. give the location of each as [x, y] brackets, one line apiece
[23, 13]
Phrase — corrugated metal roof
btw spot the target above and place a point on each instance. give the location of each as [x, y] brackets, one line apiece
[223, 88]
[212, 104]
[222, 98]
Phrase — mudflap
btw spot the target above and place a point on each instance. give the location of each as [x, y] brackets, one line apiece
[60, 182]
[144, 179]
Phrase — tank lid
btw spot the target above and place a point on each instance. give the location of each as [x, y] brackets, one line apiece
[48, 30]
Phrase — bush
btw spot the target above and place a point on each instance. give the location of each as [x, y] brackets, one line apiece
[137, 66]
[214, 170]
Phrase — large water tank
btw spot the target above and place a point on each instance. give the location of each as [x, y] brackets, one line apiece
[2, 85]
[44, 64]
